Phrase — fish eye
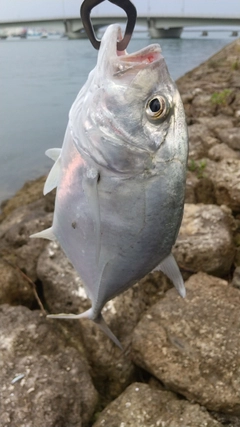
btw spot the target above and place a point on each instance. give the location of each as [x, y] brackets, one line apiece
[157, 108]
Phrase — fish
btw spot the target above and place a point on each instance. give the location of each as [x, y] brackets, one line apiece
[120, 175]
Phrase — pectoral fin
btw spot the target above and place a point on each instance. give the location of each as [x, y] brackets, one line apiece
[169, 267]
[90, 187]
[53, 153]
[53, 177]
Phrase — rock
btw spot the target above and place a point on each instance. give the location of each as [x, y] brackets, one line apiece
[31, 192]
[19, 253]
[43, 382]
[236, 278]
[200, 141]
[222, 182]
[143, 406]
[222, 152]
[63, 292]
[202, 105]
[226, 180]
[14, 289]
[192, 345]
[62, 286]
[191, 184]
[230, 137]
[212, 123]
[196, 134]
[205, 240]
[204, 190]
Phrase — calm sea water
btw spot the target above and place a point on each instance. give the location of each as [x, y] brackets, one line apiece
[39, 80]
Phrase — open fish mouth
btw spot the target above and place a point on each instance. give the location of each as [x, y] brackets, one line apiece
[122, 60]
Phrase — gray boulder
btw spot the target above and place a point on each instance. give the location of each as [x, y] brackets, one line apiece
[205, 240]
[230, 137]
[221, 152]
[191, 344]
[143, 406]
[43, 381]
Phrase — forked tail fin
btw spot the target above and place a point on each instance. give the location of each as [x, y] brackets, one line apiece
[104, 327]
[89, 315]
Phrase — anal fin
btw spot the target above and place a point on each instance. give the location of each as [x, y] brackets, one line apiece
[44, 234]
[169, 267]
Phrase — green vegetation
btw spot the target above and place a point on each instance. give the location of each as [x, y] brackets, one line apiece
[220, 98]
[198, 167]
[235, 65]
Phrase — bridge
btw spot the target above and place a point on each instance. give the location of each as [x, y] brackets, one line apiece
[163, 19]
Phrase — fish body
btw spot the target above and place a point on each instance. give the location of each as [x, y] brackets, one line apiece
[120, 175]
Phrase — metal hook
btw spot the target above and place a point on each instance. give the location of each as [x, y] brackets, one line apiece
[126, 5]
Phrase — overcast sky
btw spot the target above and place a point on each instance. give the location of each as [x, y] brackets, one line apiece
[32, 9]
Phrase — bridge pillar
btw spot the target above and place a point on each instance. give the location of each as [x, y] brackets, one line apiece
[163, 33]
[72, 33]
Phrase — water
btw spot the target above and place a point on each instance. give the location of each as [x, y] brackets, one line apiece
[39, 80]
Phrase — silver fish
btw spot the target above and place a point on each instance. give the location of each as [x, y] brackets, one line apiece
[120, 175]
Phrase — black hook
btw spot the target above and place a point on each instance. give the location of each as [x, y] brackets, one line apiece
[126, 5]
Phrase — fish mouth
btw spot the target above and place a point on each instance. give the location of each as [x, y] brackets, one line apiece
[147, 55]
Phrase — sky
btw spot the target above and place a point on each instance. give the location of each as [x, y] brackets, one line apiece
[17, 10]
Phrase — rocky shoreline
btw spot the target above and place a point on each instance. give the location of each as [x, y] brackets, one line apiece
[181, 362]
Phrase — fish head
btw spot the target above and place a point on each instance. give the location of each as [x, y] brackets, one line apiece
[130, 108]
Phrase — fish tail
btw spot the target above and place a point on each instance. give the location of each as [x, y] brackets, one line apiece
[99, 320]
[104, 327]
[86, 315]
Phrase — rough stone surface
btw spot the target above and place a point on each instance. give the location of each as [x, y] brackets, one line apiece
[19, 253]
[191, 344]
[191, 183]
[217, 122]
[221, 152]
[62, 286]
[230, 137]
[205, 240]
[236, 278]
[226, 180]
[63, 290]
[143, 406]
[14, 289]
[197, 149]
[31, 191]
[43, 382]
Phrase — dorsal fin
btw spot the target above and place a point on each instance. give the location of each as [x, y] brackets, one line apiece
[169, 267]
